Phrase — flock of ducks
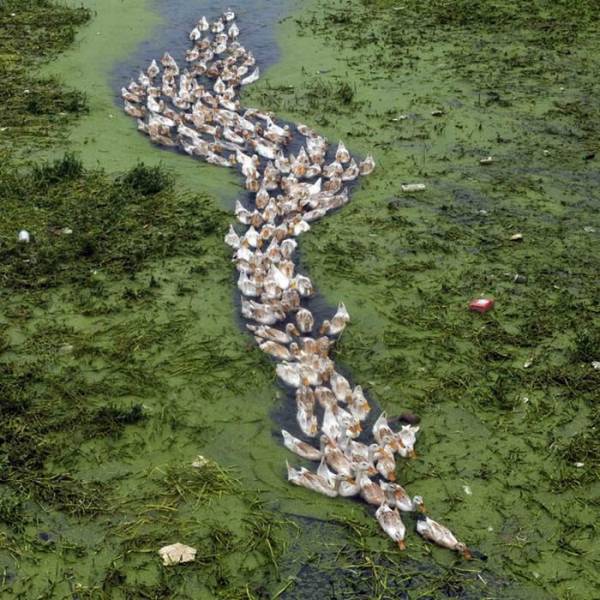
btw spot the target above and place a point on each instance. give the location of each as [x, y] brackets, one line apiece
[197, 109]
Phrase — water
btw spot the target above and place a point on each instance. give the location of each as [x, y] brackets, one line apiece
[256, 19]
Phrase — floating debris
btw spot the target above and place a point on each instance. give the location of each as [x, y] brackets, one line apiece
[438, 112]
[23, 237]
[488, 160]
[516, 237]
[200, 462]
[177, 554]
[413, 187]
[481, 305]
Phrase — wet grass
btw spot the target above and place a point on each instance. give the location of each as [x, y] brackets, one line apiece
[35, 110]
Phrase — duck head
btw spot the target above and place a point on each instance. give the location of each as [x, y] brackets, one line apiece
[419, 504]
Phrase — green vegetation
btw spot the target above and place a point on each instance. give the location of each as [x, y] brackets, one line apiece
[509, 399]
[35, 110]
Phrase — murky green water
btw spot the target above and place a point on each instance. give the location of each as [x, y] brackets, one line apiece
[500, 440]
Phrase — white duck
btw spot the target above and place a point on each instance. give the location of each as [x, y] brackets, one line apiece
[391, 523]
[440, 535]
[311, 481]
[397, 496]
[299, 447]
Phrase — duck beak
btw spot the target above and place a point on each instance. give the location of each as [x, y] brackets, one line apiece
[467, 554]
[412, 454]
[401, 545]
[422, 509]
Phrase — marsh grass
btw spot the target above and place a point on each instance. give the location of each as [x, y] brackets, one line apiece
[35, 111]
[82, 223]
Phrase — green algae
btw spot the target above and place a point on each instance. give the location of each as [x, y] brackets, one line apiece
[35, 110]
[507, 452]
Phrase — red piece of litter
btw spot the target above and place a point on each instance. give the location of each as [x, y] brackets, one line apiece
[481, 305]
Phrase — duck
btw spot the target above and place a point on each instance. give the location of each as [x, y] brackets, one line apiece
[440, 535]
[397, 496]
[334, 169]
[134, 110]
[233, 31]
[383, 433]
[341, 154]
[247, 286]
[299, 447]
[347, 486]
[351, 172]
[330, 425]
[340, 386]
[153, 70]
[270, 333]
[338, 322]
[351, 427]
[275, 349]
[370, 491]
[303, 284]
[327, 474]
[385, 463]
[251, 236]
[335, 458]
[407, 438]
[391, 523]
[289, 373]
[217, 26]
[307, 420]
[203, 24]
[305, 478]
[305, 320]
[229, 15]
[367, 166]
[325, 397]
[262, 313]
[358, 404]
[254, 76]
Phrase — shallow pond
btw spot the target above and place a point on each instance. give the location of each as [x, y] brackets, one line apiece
[500, 440]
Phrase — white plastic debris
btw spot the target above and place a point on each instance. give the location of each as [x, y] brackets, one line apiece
[488, 160]
[596, 365]
[579, 465]
[413, 187]
[66, 231]
[176, 554]
[467, 489]
[201, 461]
[516, 237]
[24, 237]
